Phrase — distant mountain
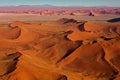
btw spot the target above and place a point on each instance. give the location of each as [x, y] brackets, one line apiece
[26, 6]
[45, 5]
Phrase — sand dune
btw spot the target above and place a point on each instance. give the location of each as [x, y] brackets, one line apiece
[64, 49]
[17, 36]
[11, 34]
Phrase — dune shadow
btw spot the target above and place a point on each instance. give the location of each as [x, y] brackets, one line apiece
[114, 20]
[81, 26]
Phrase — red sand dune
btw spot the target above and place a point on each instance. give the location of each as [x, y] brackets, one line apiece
[64, 49]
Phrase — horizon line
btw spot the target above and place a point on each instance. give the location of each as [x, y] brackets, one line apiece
[45, 5]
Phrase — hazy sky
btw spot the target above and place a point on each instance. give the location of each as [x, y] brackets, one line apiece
[111, 3]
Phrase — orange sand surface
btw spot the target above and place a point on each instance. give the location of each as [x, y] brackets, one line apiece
[63, 49]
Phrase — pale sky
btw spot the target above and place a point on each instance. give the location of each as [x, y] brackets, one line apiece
[111, 3]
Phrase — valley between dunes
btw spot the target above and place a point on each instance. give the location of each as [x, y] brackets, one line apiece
[61, 49]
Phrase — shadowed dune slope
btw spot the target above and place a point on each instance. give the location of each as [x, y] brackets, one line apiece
[114, 20]
[8, 62]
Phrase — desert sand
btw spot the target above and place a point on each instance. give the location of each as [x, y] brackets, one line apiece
[60, 49]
